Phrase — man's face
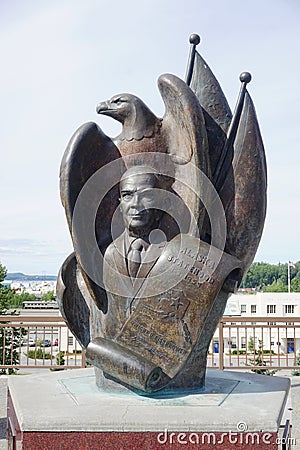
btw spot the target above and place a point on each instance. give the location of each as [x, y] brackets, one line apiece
[138, 202]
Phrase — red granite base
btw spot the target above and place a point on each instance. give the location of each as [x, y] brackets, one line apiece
[147, 441]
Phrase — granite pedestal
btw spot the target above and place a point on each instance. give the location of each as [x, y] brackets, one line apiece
[64, 410]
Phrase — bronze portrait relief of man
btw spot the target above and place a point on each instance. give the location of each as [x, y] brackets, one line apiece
[136, 250]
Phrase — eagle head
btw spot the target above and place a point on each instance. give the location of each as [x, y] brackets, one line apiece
[137, 119]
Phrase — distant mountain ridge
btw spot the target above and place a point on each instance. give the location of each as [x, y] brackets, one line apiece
[19, 276]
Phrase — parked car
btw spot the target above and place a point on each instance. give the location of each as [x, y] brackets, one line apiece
[47, 343]
[31, 342]
[56, 342]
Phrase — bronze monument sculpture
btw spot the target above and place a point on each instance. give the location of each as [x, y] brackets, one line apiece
[165, 220]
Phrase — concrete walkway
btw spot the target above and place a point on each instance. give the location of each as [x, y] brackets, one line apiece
[296, 411]
[295, 397]
[3, 392]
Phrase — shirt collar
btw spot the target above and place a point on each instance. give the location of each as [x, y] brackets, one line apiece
[129, 240]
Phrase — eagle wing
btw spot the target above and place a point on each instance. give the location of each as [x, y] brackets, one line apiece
[186, 140]
[71, 302]
[88, 151]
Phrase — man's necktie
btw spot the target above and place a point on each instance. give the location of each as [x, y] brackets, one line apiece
[134, 257]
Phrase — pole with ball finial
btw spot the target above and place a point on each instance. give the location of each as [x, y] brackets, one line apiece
[245, 78]
[194, 41]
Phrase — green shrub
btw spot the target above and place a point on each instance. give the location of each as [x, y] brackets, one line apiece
[60, 358]
[238, 352]
[296, 373]
[38, 353]
[60, 361]
[268, 352]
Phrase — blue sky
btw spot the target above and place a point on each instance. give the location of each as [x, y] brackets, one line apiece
[60, 58]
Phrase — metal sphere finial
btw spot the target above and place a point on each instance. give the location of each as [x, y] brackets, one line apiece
[194, 39]
[245, 77]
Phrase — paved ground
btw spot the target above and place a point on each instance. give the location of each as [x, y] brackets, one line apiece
[296, 411]
[3, 386]
[295, 395]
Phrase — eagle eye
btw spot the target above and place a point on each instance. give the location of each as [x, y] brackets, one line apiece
[118, 100]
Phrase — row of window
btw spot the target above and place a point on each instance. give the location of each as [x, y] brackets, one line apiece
[244, 309]
[232, 343]
[268, 323]
[271, 309]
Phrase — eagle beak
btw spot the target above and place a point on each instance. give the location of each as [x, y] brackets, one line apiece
[102, 108]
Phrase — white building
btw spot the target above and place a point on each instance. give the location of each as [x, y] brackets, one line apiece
[281, 337]
[268, 304]
[37, 288]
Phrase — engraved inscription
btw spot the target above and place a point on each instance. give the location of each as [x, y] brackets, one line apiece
[198, 257]
[202, 277]
[197, 282]
[141, 340]
[160, 340]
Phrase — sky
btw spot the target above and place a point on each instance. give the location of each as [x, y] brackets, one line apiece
[61, 57]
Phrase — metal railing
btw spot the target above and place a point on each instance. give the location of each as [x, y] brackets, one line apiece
[37, 342]
[259, 343]
[28, 342]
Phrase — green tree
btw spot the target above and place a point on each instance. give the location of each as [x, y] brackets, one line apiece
[60, 358]
[295, 283]
[3, 272]
[297, 372]
[260, 274]
[272, 277]
[251, 345]
[3, 297]
[10, 337]
[17, 300]
[276, 286]
[49, 296]
[259, 361]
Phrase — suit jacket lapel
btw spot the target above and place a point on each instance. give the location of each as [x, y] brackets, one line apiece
[151, 256]
[120, 262]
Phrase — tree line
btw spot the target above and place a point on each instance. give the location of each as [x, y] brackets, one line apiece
[272, 277]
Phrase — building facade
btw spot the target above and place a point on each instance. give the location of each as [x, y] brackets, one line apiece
[278, 337]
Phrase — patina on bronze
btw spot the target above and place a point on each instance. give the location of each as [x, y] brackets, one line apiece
[165, 220]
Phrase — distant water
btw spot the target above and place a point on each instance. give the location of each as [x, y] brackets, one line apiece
[19, 277]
